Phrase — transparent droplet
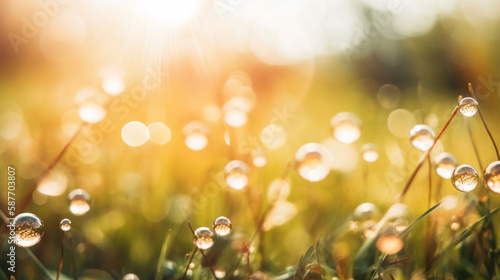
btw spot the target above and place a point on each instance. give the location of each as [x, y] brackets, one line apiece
[366, 211]
[222, 226]
[131, 276]
[278, 190]
[468, 106]
[258, 157]
[65, 224]
[422, 137]
[370, 152]
[492, 177]
[203, 238]
[445, 164]
[389, 244]
[220, 273]
[236, 173]
[400, 225]
[135, 133]
[196, 135]
[314, 162]
[79, 202]
[91, 112]
[464, 178]
[456, 223]
[346, 127]
[369, 228]
[28, 229]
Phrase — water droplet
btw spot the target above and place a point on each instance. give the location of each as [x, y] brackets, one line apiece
[400, 225]
[65, 224]
[389, 244]
[492, 177]
[464, 178]
[258, 157]
[236, 173]
[220, 273]
[456, 223]
[366, 211]
[445, 164]
[203, 238]
[370, 152]
[369, 228]
[196, 135]
[313, 161]
[422, 137]
[79, 202]
[135, 133]
[346, 127]
[468, 106]
[91, 112]
[131, 276]
[28, 229]
[222, 226]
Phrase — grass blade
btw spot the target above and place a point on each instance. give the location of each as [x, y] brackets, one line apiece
[163, 254]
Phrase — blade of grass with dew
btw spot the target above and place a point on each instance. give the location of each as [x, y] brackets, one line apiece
[163, 254]
[406, 231]
[463, 235]
[306, 259]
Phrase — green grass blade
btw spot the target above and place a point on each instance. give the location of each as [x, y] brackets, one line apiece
[421, 217]
[163, 254]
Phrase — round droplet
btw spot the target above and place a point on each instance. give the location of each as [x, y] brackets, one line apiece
[346, 127]
[222, 226]
[370, 152]
[79, 202]
[203, 238]
[28, 229]
[389, 244]
[400, 225]
[131, 276]
[369, 228]
[65, 224]
[91, 112]
[258, 157]
[366, 211]
[464, 178]
[492, 177]
[236, 173]
[468, 106]
[135, 133]
[456, 223]
[196, 135]
[313, 161]
[445, 164]
[422, 137]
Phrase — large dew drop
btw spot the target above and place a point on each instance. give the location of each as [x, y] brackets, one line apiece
[346, 127]
[468, 106]
[203, 238]
[313, 161]
[222, 226]
[492, 177]
[422, 137]
[28, 229]
[236, 173]
[65, 224]
[445, 163]
[464, 178]
[79, 202]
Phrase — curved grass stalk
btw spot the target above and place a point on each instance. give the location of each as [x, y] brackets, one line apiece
[62, 257]
[203, 253]
[163, 254]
